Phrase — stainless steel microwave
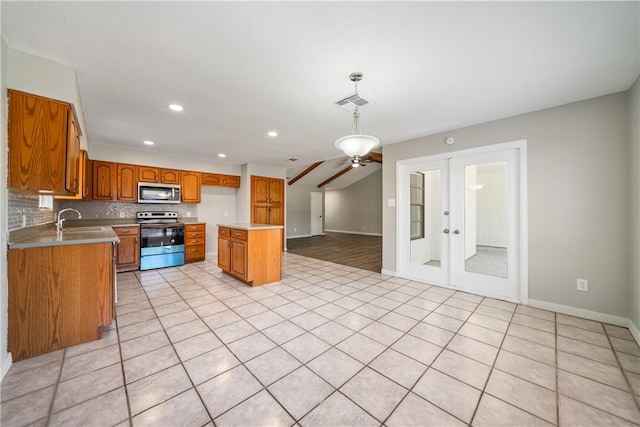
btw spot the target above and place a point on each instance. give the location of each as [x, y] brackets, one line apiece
[158, 193]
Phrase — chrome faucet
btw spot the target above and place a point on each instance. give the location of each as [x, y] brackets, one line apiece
[61, 220]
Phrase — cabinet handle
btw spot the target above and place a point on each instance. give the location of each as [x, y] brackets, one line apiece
[136, 240]
[125, 231]
[193, 241]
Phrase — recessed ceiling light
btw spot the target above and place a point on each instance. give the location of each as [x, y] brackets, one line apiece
[148, 142]
[176, 107]
[222, 155]
[272, 133]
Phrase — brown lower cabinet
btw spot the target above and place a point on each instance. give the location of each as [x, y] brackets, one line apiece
[59, 296]
[128, 250]
[195, 237]
[252, 255]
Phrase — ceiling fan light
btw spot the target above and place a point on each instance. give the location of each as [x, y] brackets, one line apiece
[357, 145]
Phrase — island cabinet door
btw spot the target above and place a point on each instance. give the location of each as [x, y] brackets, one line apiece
[239, 259]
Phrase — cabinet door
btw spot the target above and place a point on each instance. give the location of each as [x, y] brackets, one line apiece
[169, 176]
[259, 189]
[276, 190]
[148, 174]
[224, 254]
[72, 176]
[37, 143]
[276, 216]
[239, 259]
[211, 179]
[230, 181]
[190, 187]
[87, 180]
[104, 181]
[260, 214]
[127, 183]
[128, 251]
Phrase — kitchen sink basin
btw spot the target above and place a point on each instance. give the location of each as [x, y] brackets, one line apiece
[83, 229]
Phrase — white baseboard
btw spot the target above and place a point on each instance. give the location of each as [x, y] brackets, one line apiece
[634, 331]
[354, 232]
[580, 312]
[300, 236]
[389, 272]
[6, 364]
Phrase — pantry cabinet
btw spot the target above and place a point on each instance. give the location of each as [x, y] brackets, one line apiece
[267, 200]
[44, 147]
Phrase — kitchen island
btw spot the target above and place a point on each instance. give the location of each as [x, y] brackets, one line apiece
[251, 252]
[61, 289]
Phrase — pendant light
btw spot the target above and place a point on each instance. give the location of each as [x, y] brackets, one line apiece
[356, 145]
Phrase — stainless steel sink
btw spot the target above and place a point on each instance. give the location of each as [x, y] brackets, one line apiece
[84, 229]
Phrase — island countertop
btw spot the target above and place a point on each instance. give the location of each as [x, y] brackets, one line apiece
[251, 226]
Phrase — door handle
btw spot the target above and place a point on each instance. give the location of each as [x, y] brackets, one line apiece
[456, 231]
[445, 231]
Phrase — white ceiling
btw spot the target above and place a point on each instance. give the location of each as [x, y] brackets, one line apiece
[243, 68]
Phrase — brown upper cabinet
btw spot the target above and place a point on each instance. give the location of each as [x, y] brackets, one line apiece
[190, 186]
[127, 182]
[105, 183]
[44, 147]
[220, 180]
[164, 176]
[84, 187]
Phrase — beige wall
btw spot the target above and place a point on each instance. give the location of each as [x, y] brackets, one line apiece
[577, 196]
[356, 208]
[634, 205]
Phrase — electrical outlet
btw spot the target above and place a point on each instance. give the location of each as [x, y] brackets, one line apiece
[582, 285]
[121, 214]
[363, 227]
[188, 214]
[226, 213]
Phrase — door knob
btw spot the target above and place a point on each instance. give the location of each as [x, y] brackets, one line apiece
[456, 231]
[446, 231]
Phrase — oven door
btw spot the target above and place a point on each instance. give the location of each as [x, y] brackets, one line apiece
[158, 235]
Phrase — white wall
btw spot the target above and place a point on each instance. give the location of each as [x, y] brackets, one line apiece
[634, 206]
[356, 208]
[577, 196]
[5, 357]
[39, 76]
[218, 206]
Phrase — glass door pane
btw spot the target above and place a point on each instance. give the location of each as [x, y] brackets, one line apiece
[485, 219]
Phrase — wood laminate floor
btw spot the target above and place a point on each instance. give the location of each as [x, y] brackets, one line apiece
[354, 250]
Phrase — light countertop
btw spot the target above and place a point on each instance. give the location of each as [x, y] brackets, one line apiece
[70, 236]
[251, 226]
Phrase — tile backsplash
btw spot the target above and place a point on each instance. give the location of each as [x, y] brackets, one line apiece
[113, 210]
[23, 210]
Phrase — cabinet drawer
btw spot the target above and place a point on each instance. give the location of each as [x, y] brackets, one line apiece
[239, 234]
[189, 242]
[194, 235]
[194, 227]
[194, 253]
[224, 232]
[126, 231]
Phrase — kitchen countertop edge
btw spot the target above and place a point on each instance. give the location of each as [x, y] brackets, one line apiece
[250, 227]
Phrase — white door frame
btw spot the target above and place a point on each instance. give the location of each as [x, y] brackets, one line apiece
[404, 166]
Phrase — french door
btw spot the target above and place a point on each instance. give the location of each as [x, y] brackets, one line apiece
[460, 221]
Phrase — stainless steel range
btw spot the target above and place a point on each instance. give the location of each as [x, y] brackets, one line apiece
[162, 240]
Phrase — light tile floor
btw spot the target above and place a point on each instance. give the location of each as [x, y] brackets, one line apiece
[328, 345]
